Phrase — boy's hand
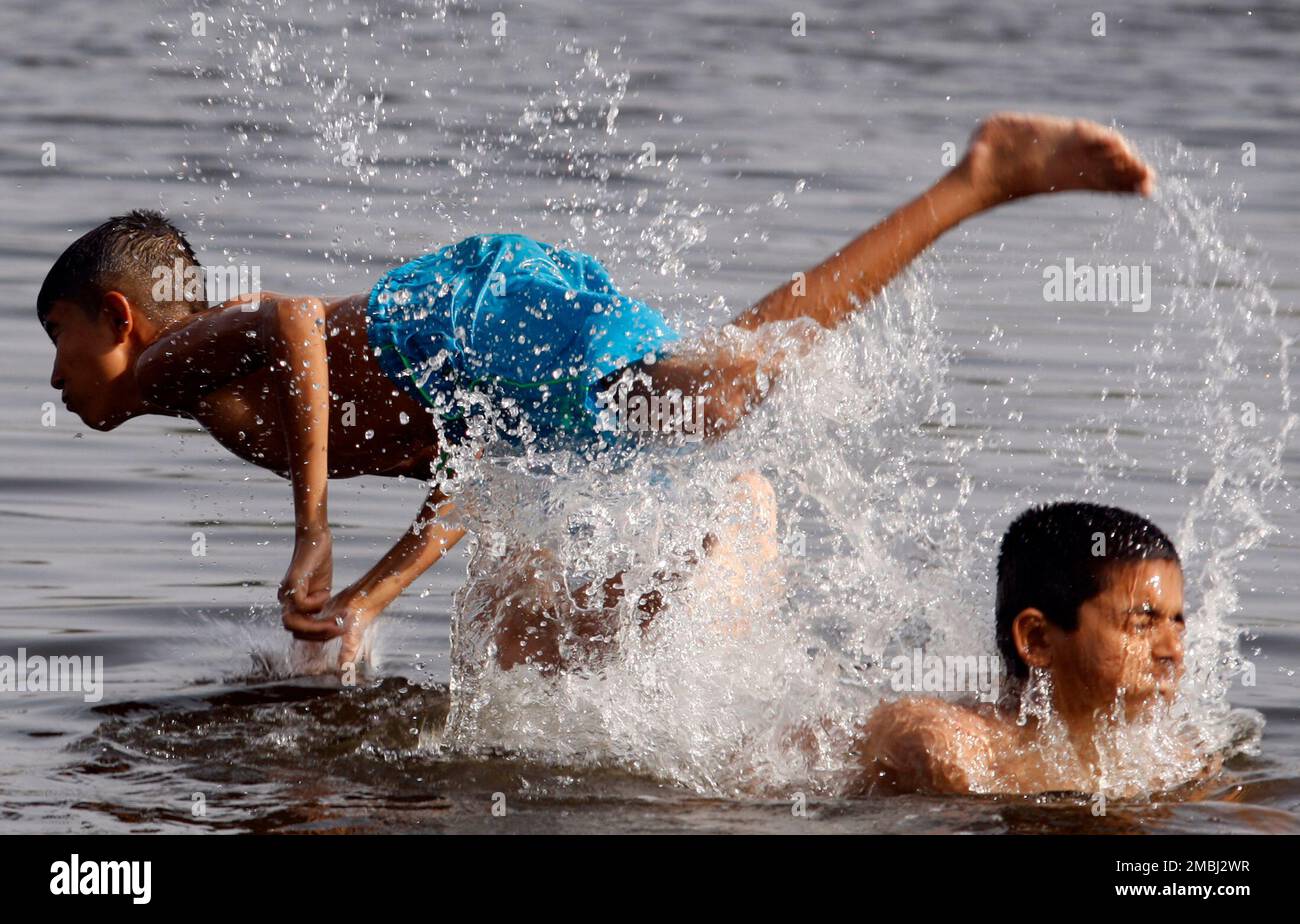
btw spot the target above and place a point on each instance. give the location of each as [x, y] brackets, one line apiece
[352, 614]
[306, 585]
[349, 614]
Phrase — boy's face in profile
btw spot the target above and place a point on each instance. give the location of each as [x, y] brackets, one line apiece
[91, 362]
[1129, 641]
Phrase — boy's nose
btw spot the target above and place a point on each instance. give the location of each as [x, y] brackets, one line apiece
[1168, 643]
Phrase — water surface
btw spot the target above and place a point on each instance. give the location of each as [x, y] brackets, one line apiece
[772, 150]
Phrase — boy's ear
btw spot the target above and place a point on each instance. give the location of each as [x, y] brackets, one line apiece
[1029, 633]
[118, 311]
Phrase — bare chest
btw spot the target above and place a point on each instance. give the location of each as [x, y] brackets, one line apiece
[372, 430]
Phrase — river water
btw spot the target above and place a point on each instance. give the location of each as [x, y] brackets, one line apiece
[323, 142]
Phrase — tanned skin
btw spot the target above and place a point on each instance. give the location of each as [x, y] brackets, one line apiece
[270, 376]
[1127, 649]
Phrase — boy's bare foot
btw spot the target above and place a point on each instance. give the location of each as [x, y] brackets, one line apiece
[1013, 155]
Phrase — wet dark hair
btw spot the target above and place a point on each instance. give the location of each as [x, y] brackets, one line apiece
[121, 254]
[1056, 556]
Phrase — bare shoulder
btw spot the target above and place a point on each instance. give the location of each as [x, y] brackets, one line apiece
[927, 744]
[205, 350]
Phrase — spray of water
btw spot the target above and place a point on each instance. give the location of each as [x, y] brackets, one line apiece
[720, 692]
[878, 544]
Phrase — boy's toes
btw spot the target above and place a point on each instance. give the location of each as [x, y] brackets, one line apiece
[1127, 173]
[1134, 174]
[1120, 168]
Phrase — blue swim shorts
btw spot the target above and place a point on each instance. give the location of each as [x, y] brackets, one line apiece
[519, 331]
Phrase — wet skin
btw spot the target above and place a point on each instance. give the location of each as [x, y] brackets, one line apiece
[247, 375]
[1126, 651]
[246, 371]
[1127, 647]
[402, 437]
[243, 414]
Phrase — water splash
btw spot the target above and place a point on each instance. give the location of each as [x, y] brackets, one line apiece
[882, 544]
[891, 551]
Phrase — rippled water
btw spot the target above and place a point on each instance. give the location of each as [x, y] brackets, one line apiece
[772, 151]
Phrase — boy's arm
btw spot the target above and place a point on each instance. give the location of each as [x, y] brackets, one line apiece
[293, 337]
[435, 530]
[287, 335]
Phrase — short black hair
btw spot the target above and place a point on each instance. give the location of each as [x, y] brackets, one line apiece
[122, 254]
[1055, 557]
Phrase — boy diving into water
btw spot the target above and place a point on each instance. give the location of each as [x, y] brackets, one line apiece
[497, 341]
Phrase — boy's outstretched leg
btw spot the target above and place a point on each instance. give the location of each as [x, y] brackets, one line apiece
[1010, 156]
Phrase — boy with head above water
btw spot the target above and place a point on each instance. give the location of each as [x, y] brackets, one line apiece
[495, 343]
[1090, 602]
